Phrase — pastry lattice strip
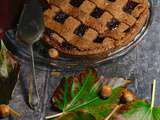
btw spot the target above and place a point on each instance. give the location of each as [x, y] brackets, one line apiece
[83, 13]
[66, 30]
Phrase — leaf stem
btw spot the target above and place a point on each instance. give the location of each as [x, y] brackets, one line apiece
[153, 94]
[59, 114]
[53, 116]
[88, 79]
[113, 111]
[79, 106]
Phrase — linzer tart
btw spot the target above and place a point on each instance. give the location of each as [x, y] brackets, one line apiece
[87, 27]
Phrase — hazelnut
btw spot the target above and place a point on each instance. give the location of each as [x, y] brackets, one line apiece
[56, 73]
[53, 53]
[105, 92]
[4, 111]
[127, 96]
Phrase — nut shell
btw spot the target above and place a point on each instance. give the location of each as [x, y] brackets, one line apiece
[53, 53]
[127, 97]
[4, 111]
[106, 92]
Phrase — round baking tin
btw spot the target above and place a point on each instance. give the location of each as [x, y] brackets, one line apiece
[22, 53]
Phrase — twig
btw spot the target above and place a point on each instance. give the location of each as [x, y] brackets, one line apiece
[113, 111]
[13, 112]
[153, 94]
[53, 116]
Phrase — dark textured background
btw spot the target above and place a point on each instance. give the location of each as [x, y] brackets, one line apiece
[141, 65]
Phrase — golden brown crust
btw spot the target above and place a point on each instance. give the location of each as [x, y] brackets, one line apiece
[114, 27]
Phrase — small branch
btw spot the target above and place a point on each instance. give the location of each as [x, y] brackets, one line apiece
[153, 94]
[113, 111]
[53, 116]
[13, 112]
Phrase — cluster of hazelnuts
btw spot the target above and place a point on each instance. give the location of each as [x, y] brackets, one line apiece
[126, 96]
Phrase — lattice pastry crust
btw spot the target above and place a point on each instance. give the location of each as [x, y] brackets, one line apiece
[84, 27]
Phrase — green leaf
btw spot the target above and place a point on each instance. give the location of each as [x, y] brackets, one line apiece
[82, 94]
[9, 70]
[3, 61]
[142, 111]
[77, 116]
[74, 84]
[101, 108]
